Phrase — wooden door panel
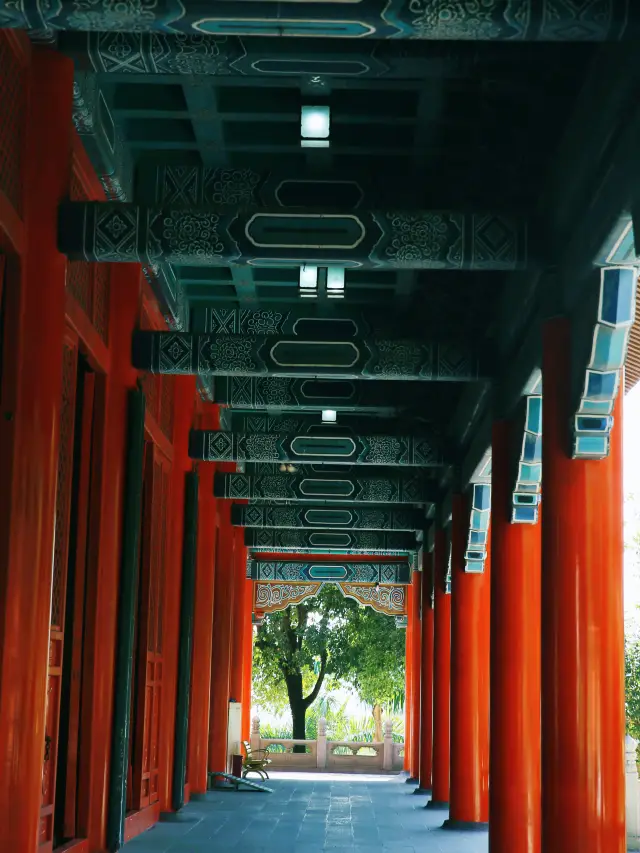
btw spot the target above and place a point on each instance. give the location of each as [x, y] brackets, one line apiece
[150, 660]
[59, 588]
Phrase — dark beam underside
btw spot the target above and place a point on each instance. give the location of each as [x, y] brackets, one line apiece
[371, 450]
[349, 488]
[343, 395]
[183, 353]
[307, 570]
[223, 235]
[375, 517]
[492, 20]
[292, 540]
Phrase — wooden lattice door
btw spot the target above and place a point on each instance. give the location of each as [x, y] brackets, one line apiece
[58, 592]
[149, 664]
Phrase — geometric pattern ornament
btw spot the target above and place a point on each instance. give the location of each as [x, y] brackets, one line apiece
[525, 497]
[355, 541]
[476, 552]
[358, 572]
[374, 517]
[349, 487]
[255, 392]
[271, 597]
[218, 446]
[223, 234]
[479, 20]
[600, 379]
[371, 358]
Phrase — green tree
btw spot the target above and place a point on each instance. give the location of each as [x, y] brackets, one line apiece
[632, 685]
[323, 640]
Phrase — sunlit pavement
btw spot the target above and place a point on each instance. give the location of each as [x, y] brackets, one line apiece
[308, 813]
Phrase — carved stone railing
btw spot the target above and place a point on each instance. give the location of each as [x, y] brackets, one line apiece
[330, 755]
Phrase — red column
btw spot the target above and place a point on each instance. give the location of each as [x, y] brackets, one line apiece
[426, 680]
[416, 653]
[221, 657]
[514, 804]
[184, 399]
[102, 587]
[31, 408]
[199, 708]
[247, 659]
[408, 681]
[441, 676]
[469, 797]
[237, 633]
[583, 784]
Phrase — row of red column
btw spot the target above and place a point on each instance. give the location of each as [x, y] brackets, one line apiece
[521, 679]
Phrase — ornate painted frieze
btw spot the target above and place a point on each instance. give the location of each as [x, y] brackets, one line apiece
[254, 392]
[218, 446]
[597, 371]
[350, 488]
[351, 424]
[525, 499]
[489, 20]
[135, 53]
[365, 541]
[318, 517]
[390, 600]
[271, 597]
[476, 552]
[228, 234]
[355, 572]
[372, 358]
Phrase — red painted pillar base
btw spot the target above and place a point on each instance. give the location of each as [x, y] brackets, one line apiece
[514, 804]
[469, 797]
[441, 677]
[583, 782]
[426, 682]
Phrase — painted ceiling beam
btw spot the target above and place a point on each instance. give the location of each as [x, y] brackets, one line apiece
[329, 541]
[347, 424]
[133, 54]
[493, 20]
[197, 187]
[343, 395]
[374, 517]
[219, 446]
[222, 235]
[350, 488]
[329, 570]
[184, 353]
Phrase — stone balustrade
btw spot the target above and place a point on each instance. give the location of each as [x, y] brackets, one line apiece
[335, 756]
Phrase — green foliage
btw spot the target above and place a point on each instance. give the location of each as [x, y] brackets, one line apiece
[324, 640]
[632, 685]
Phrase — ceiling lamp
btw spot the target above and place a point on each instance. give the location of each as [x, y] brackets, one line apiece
[309, 281]
[314, 127]
[335, 282]
[329, 416]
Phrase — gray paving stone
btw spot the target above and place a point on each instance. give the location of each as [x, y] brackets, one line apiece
[310, 813]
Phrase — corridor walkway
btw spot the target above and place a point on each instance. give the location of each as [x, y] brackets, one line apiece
[309, 813]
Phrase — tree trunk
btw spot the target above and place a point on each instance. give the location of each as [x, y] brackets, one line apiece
[298, 709]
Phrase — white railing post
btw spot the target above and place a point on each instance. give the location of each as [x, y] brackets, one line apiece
[632, 793]
[255, 733]
[387, 751]
[321, 750]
